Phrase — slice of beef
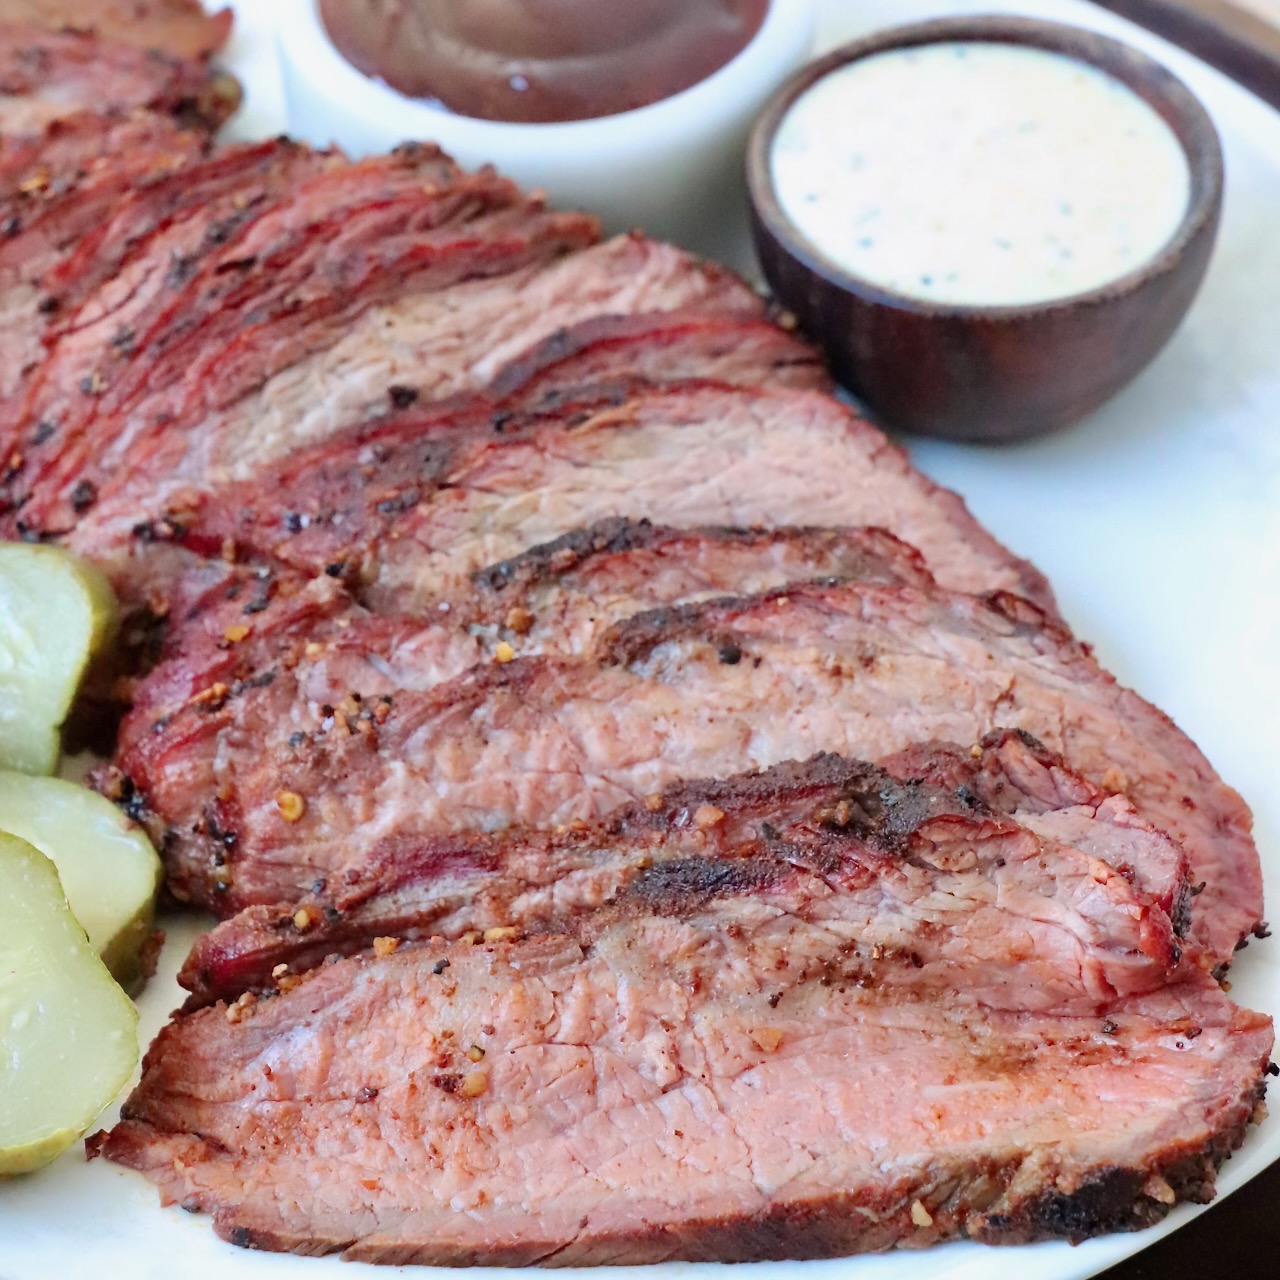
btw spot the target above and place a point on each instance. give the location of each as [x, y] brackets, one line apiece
[33, 169]
[83, 253]
[325, 245]
[629, 352]
[227, 626]
[556, 597]
[181, 28]
[194, 439]
[66, 197]
[718, 1063]
[157, 202]
[232, 632]
[421, 346]
[50, 213]
[1013, 773]
[429, 344]
[65, 220]
[48, 74]
[258, 791]
[163, 415]
[105, 326]
[414, 502]
[452, 885]
[198, 274]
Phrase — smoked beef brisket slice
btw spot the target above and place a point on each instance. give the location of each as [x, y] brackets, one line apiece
[267, 225]
[225, 623]
[286, 286]
[34, 170]
[181, 28]
[49, 216]
[713, 689]
[153, 581]
[628, 310]
[526, 881]
[410, 504]
[429, 346]
[193, 441]
[114, 315]
[74, 243]
[318, 643]
[719, 1063]
[46, 75]
[626, 351]
[556, 597]
[46, 226]
[158, 202]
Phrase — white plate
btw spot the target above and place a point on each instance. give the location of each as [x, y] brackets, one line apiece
[1158, 521]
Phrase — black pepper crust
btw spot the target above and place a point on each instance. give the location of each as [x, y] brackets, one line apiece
[883, 557]
[554, 358]
[1119, 1199]
[705, 840]
[634, 639]
[676, 850]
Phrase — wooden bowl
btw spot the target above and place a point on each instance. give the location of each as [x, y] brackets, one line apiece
[992, 373]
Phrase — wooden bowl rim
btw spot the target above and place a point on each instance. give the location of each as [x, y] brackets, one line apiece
[1151, 80]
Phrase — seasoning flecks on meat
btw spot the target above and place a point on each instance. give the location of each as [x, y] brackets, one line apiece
[510, 615]
[417, 497]
[901, 842]
[862, 668]
[48, 74]
[714, 1064]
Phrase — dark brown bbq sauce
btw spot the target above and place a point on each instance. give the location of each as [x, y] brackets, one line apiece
[541, 60]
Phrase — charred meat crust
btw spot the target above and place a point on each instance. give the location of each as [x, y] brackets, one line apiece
[634, 639]
[677, 850]
[572, 354]
[882, 557]
[1121, 1199]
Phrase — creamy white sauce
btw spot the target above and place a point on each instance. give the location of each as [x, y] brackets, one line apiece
[980, 173]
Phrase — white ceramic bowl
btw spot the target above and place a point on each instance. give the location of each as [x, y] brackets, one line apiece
[673, 168]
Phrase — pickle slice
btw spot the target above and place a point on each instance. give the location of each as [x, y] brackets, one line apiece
[56, 614]
[68, 1033]
[109, 871]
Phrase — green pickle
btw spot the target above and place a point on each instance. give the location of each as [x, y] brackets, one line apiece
[68, 1032]
[56, 614]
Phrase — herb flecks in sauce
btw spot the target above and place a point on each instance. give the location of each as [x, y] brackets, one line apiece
[977, 173]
